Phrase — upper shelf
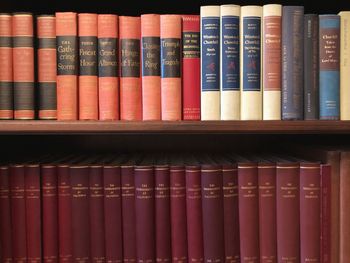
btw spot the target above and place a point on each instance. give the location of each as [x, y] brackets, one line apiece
[178, 127]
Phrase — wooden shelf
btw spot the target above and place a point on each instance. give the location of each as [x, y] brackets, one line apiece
[179, 127]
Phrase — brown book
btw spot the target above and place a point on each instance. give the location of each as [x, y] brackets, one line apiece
[344, 227]
[326, 186]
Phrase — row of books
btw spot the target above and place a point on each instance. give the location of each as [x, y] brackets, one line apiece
[171, 208]
[267, 62]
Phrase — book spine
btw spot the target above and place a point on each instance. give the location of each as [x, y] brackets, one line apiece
[33, 214]
[178, 214]
[248, 196]
[230, 67]
[151, 83]
[267, 212]
[344, 66]
[23, 66]
[50, 210]
[144, 214]
[18, 214]
[79, 176]
[113, 214]
[108, 70]
[88, 86]
[287, 203]
[130, 82]
[231, 216]
[191, 67]
[210, 62]
[326, 233]
[67, 66]
[170, 50]
[128, 208]
[344, 228]
[212, 204]
[64, 214]
[329, 30]
[292, 62]
[194, 214]
[272, 62]
[46, 34]
[311, 69]
[162, 214]
[310, 211]
[5, 216]
[6, 73]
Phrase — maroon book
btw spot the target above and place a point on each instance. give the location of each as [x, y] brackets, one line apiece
[326, 215]
[18, 214]
[267, 212]
[79, 176]
[144, 213]
[194, 214]
[113, 214]
[50, 213]
[310, 211]
[248, 211]
[213, 216]
[287, 201]
[5, 216]
[33, 212]
[96, 210]
[162, 213]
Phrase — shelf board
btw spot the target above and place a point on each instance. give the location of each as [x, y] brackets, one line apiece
[178, 127]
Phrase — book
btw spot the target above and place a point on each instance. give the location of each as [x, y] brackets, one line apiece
[344, 237]
[230, 58]
[292, 62]
[151, 83]
[47, 66]
[191, 89]
[67, 65]
[108, 68]
[130, 82]
[6, 73]
[23, 66]
[272, 61]
[329, 30]
[210, 62]
[326, 185]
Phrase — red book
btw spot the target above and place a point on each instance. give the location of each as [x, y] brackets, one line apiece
[108, 77]
[310, 211]
[191, 67]
[33, 212]
[194, 214]
[113, 213]
[130, 81]
[248, 195]
[212, 204]
[18, 214]
[287, 202]
[162, 213]
[326, 216]
[5, 216]
[50, 213]
[79, 176]
[144, 213]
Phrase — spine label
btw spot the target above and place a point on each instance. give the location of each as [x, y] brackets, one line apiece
[66, 55]
[151, 57]
[88, 56]
[130, 58]
[170, 53]
[107, 57]
[190, 45]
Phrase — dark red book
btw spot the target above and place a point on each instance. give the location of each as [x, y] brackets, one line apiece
[248, 195]
[267, 212]
[194, 214]
[144, 213]
[5, 216]
[310, 211]
[97, 233]
[212, 204]
[18, 214]
[33, 212]
[326, 215]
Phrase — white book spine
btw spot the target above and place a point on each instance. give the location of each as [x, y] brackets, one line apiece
[345, 65]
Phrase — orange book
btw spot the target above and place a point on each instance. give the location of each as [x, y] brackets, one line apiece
[170, 34]
[130, 82]
[150, 37]
[108, 81]
[88, 87]
[67, 66]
